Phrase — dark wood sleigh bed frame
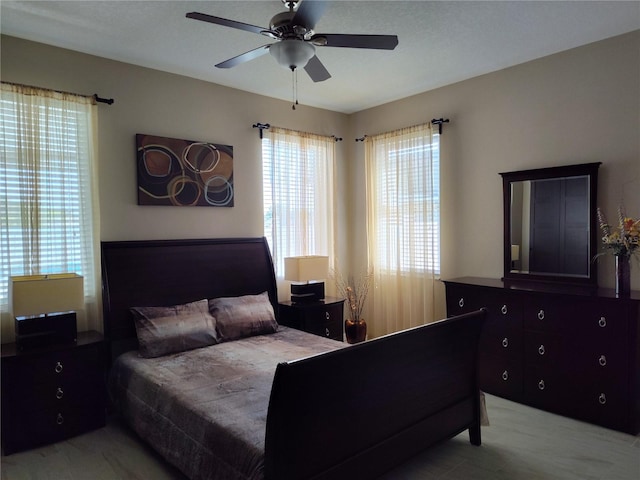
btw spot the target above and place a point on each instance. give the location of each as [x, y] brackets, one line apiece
[352, 413]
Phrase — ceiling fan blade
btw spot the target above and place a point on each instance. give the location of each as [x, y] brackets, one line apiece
[309, 12]
[226, 22]
[316, 70]
[380, 42]
[244, 57]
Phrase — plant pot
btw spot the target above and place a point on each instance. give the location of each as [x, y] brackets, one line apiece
[356, 331]
[623, 275]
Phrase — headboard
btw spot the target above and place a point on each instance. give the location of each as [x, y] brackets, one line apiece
[171, 272]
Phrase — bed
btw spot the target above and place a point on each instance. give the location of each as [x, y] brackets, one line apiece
[284, 404]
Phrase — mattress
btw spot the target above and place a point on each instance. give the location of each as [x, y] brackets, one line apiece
[205, 410]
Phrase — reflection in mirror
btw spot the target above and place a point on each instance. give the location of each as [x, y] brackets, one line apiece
[550, 224]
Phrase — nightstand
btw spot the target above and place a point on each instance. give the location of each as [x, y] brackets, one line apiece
[324, 318]
[51, 393]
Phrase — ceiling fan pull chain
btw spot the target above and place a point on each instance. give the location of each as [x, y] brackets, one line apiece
[294, 87]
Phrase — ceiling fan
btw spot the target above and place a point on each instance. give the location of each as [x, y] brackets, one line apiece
[296, 41]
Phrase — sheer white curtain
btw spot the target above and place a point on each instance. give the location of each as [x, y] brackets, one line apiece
[403, 227]
[49, 213]
[298, 195]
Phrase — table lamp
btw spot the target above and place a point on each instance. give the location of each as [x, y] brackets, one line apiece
[44, 308]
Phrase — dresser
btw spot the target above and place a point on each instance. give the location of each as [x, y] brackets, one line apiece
[52, 393]
[324, 318]
[566, 349]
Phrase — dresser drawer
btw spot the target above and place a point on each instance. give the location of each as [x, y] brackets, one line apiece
[546, 388]
[500, 377]
[545, 314]
[501, 342]
[590, 363]
[603, 403]
[546, 349]
[599, 322]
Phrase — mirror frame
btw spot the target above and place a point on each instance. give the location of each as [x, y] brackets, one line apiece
[585, 169]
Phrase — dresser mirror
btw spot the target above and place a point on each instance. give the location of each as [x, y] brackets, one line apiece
[550, 224]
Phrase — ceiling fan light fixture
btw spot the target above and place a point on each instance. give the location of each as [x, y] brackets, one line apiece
[292, 53]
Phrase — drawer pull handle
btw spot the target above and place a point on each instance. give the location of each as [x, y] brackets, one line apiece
[541, 315]
[602, 322]
[505, 342]
[327, 332]
[58, 367]
[602, 360]
[541, 350]
[541, 384]
[461, 302]
[327, 316]
[505, 375]
[59, 393]
[602, 399]
[504, 309]
[59, 419]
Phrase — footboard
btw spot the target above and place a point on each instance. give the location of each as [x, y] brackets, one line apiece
[359, 411]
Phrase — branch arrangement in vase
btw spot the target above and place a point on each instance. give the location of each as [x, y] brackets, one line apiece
[354, 291]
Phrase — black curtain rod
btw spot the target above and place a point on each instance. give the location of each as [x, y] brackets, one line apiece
[435, 121]
[265, 126]
[261, 126]
[439, 122]
[108, 101]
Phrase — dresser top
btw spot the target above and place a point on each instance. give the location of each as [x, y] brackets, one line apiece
[542, 287]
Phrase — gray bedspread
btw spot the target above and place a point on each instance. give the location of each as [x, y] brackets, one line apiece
[205, 410]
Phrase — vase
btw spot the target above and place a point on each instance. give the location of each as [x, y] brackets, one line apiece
[356, 331]
[623, 275]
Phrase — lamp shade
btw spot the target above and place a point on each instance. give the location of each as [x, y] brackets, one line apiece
[38, 294]
[515, 253]
[292, 53]
[306, 268]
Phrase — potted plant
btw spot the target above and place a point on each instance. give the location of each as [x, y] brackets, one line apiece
[623, 243]
[355, 294]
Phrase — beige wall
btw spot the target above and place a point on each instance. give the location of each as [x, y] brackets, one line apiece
[578, 106]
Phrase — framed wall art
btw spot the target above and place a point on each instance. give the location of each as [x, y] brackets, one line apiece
[184, 172]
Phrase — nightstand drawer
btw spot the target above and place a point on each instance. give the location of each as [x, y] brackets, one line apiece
[53, 369]
[48, 426]
[327, 329]
[63, 394]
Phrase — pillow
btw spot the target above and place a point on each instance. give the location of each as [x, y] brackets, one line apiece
[163, 330]
[245, 316]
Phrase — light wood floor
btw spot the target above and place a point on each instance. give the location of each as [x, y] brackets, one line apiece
[522, 443]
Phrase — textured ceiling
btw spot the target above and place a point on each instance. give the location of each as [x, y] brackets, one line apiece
[440, 42]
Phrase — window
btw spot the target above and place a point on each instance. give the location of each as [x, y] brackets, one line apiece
[46, 194]
[406, 183]
[298, 170]
[403, 225]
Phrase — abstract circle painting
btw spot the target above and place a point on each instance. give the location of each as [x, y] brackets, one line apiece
[184, 172]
